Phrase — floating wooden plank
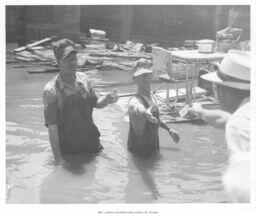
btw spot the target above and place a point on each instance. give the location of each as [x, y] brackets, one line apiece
[120, 95]
[56, 70]
[181, 120]
[119, 55]
[93, 67]
[117, 66]
[48, 70]
[40, 42]
[24, 59]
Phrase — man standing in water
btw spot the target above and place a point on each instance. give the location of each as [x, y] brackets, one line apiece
[233, 89]
[143, 113]
[69, 100]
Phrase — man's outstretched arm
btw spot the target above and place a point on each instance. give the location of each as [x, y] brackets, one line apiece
[216, 118]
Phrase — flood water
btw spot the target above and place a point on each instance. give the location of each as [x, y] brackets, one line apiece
[189, 171]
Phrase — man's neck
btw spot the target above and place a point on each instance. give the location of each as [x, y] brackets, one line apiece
[68, 80]
[144, 92]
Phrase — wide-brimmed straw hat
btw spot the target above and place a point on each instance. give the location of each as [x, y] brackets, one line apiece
[141, 67]
[233, 71]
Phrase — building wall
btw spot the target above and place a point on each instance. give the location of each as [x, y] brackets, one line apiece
[39, 22]
[154, 23]
[10, 23]
[164, 24]
[107, 18]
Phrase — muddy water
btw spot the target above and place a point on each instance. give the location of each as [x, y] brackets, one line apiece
[186, 172]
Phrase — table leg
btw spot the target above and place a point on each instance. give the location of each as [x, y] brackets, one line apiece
[167, 93]
[190, 85]
[187, 88]
[193, 87]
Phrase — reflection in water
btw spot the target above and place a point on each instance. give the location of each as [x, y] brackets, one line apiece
[186, 172]
[67, 184]
[141, 173]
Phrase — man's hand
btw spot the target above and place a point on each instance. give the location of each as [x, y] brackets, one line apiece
[175, 135]
[149, 114]
[195, 109]
[112, 97]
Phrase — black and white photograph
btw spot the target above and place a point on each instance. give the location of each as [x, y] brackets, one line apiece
[127, 103]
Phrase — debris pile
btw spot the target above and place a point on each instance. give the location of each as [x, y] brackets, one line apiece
[97, 53]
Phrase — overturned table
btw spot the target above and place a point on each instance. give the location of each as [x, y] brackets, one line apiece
[193, 58]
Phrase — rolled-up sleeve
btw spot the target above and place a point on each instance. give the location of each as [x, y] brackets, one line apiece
[50, 108]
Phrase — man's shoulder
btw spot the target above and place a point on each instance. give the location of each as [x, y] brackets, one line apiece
[243, 111]
[133, 103]
[50, 87]
[81, 77]
[135, 100]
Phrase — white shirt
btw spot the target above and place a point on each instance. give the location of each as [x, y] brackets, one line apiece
[238, 133]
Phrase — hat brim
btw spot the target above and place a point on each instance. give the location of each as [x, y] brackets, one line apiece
[213, 77]
[142, 71]
[68, 50]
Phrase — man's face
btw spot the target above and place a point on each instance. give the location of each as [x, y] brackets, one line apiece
[230, 98]
[144, 80]
[68, 65]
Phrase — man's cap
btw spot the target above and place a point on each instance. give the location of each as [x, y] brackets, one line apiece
[63, 48]
[233, 71]
[142, 66]
[142, 71]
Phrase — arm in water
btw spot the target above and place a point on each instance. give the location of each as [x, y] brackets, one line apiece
[216, 118]
[54, 140]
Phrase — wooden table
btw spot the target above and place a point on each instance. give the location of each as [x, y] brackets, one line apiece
[194, 58]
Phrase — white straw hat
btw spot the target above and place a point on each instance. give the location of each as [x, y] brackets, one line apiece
[234, 71]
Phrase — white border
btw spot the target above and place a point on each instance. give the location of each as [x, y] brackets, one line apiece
[240, 209]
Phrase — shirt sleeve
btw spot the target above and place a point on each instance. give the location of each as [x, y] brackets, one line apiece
[238, 130]
[50, 108]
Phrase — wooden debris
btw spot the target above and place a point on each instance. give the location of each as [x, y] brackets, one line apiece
[120, 55]
[40, 42]
[55, 70]
[48, 70]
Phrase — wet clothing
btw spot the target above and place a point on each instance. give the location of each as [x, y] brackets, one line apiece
[236, 179]
[71, 108]
[147, 143]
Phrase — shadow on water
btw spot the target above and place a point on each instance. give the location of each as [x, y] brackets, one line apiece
[68, 183]
[199, 122]
[76, 164]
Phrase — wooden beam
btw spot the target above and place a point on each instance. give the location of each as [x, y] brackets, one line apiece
[40, 42]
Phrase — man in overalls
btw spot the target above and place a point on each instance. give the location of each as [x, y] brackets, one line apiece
[143, 139]
[69, 100]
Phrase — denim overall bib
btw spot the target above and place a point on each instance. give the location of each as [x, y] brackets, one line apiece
[148, 142]
[78, 134]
